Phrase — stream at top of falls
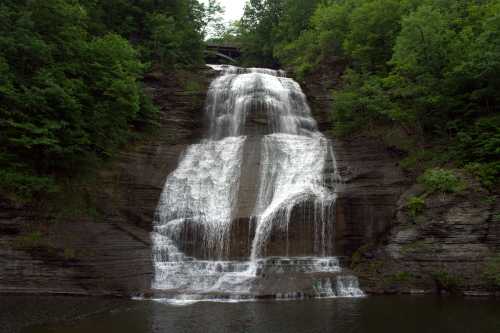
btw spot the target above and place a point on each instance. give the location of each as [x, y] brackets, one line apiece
[249, 211]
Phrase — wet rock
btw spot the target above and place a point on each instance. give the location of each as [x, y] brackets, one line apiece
[373, 181]
[446, 251]
[112, 254]
[449, 245]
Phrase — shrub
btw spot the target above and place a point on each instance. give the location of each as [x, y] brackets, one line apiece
[416, 159]
[24, 185]
[30, 241]
[416, 246]
[492, 271]
[446, 281]
[69, 254]
[415, 205]
[357, 256]
[441, 180]
[399, 277]
[487, 173]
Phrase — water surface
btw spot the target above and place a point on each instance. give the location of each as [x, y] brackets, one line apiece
[386, 314]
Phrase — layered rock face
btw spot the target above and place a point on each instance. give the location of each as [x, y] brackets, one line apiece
[248, 212]
[110, 254]
[453, 246]
[372, 181]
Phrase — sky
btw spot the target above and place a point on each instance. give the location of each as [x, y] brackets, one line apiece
[234, 9]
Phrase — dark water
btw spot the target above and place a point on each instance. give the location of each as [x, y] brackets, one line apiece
[373, 314]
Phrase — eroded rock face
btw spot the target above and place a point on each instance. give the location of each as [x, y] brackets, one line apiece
[110, 254]
[448, 248]
[445, 248]
[373, 181]
[368, 200]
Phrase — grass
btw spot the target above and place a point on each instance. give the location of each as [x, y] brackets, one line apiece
[447, 281]
[399, 277]
[489, 200]
[486, 173]
[442, 181]
[31, 240]
[357, 256]
[69, 254]
[37, 242]
[418, 159]
[491, 271]
[415, 206]
[416, 246]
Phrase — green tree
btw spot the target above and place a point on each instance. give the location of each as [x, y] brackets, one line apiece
[70, 86]
[257, 28]
[373, 27]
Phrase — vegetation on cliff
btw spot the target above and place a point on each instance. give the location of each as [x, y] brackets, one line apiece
[426, 70]
[70, 80]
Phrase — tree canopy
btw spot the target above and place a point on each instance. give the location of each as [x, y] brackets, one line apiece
[430, 68]
[70, 78]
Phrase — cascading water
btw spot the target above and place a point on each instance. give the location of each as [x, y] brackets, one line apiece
[294, 171]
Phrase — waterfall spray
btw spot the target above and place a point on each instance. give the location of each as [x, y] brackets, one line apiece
[200, 198]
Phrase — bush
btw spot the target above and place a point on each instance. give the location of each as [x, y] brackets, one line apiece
[492, 271]
[32, 240]
[441, 180]
[487, 173]
[446, 281]
[399, 277]
[415, 205]
[357, 256]
[361, 103]
[69, 254]
[427, 67]
[24, 185]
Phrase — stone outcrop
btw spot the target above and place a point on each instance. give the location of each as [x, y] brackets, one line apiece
[450, 247]
[110, 253]
[372, 179]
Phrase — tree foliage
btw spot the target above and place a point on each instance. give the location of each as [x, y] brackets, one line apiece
[257, 30]
[70, 79]
[431, 67]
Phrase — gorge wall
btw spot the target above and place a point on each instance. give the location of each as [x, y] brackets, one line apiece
[110, 254]
[452, 248]
[372, 179]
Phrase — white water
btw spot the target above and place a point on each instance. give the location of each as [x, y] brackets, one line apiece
[200, 197]
[341, 286]
[291, 173]
[202, 190]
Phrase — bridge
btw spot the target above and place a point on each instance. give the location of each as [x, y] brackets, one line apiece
[222, 54]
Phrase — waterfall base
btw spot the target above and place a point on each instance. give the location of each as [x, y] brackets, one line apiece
[249, 211]
[269, 278]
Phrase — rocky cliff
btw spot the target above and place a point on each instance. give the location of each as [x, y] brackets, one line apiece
[372, 179]
[453, 245]
[109, 253]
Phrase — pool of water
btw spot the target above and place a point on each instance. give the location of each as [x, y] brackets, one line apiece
[386, 314]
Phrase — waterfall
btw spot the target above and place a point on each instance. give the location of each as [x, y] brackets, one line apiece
[202, 190]
[292, 171]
